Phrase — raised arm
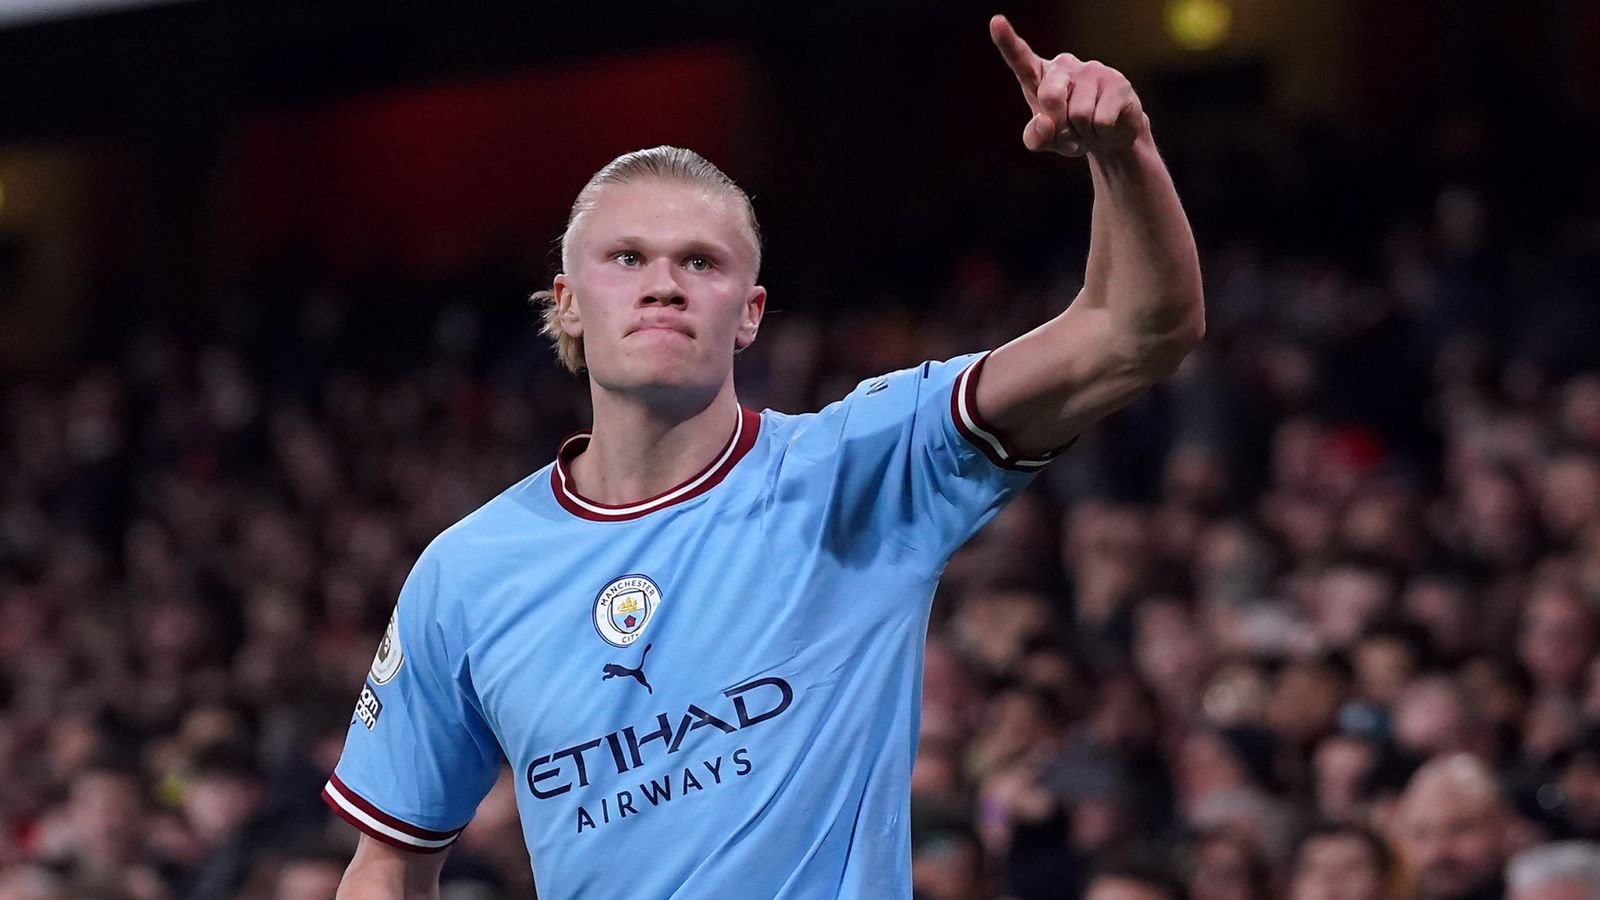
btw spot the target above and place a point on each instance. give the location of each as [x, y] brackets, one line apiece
[1141, 309]
[381, 872]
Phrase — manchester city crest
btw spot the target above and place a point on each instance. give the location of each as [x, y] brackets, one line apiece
[623, 608]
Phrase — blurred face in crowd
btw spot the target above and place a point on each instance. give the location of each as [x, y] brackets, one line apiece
[29, 883]
[995, 627]
[217, 807]
[1580, 408]
[1107, 548]
[936, 774]
[1232, 564]
[106, 812]
[1348, 600]
[1443, 609]
[1383, 663]
[1580, 794]
[1586, 560]
[950, 699]
[949, 867]
[1051, 671]
[1556, 638]
[1114, 888]
[660, 287]
[1569, 494]
[1340, 764]
[1552, 723]
[1206, 764]
[1303, 520]
[1169, 650]
[1297, 453]
[1382, 523]
[1566, 889]
[1098, 823]
[1124, 715]
[1499, 697]
[1305, 702]
[1452, 828]
[1431, 718]
[1494, 515]
[1221, 868]
[1337, 867]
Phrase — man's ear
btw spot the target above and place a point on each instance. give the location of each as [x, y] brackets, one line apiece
[567, 312]
[755, 306]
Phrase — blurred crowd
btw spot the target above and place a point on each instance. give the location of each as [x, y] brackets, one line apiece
[1316, 619]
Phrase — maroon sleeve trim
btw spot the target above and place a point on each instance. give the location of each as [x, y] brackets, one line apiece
[376, 823]
[994, 445]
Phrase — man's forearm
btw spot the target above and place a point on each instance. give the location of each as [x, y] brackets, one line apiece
[381, 872]
[365, 884]
[1142, 259]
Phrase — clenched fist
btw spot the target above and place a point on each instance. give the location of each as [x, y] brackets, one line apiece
[1078, 107]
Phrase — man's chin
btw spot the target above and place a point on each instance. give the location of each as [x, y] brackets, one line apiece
[662, 380]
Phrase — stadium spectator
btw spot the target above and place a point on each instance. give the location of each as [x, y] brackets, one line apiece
[1339, 862]
[1452, 826]
[1569, 870]
[1135, 877]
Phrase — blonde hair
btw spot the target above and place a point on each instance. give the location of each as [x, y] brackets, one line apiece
[672, 164]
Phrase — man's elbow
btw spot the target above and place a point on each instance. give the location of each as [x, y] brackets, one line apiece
[1163, 352]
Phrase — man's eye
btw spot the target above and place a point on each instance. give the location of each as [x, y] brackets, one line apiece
[627, 258]
[700, 263]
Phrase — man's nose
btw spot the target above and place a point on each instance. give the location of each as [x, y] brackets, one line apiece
[661, 286]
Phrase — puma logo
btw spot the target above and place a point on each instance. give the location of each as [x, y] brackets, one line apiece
[877, 386]
[612, 670]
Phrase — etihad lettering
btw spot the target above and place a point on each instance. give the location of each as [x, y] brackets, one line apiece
[753, 702]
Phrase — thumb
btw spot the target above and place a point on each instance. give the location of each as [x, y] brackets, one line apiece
[1039, 133]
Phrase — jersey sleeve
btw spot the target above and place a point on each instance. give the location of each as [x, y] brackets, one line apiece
[911, 462]
[419, 755]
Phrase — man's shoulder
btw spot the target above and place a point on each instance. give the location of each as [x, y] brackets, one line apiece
[874, 401]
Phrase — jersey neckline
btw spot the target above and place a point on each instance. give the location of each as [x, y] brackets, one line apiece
[745, 429]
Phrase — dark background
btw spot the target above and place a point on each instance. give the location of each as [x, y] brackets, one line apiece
[264, 333]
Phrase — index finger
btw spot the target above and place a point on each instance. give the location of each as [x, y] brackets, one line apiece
[1024, 63]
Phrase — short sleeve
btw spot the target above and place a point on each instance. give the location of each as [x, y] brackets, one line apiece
[419, 756]
[909, 461]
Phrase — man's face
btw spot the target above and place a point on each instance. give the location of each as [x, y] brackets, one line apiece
[1564, 889]
[948, 869]
[105, 810]
[661, 287]
[1337, 867]
[1113, 888]
[1340, 763]
[1452, 840]
[1557, 638]
[1580, 785]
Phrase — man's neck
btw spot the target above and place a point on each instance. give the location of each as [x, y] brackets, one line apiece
[638, 449]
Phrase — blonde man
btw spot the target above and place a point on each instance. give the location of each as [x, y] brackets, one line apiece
[697, 635]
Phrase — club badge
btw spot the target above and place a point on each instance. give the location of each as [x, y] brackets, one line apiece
[624, 607]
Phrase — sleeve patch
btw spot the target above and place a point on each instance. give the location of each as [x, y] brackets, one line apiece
[368, 706]
[390, 654]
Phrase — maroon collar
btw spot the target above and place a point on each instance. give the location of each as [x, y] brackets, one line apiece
[739, 443]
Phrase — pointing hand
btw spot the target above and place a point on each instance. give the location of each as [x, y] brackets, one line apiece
[1078, 107]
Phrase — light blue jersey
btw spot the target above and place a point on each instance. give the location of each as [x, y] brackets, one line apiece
[711, 693]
